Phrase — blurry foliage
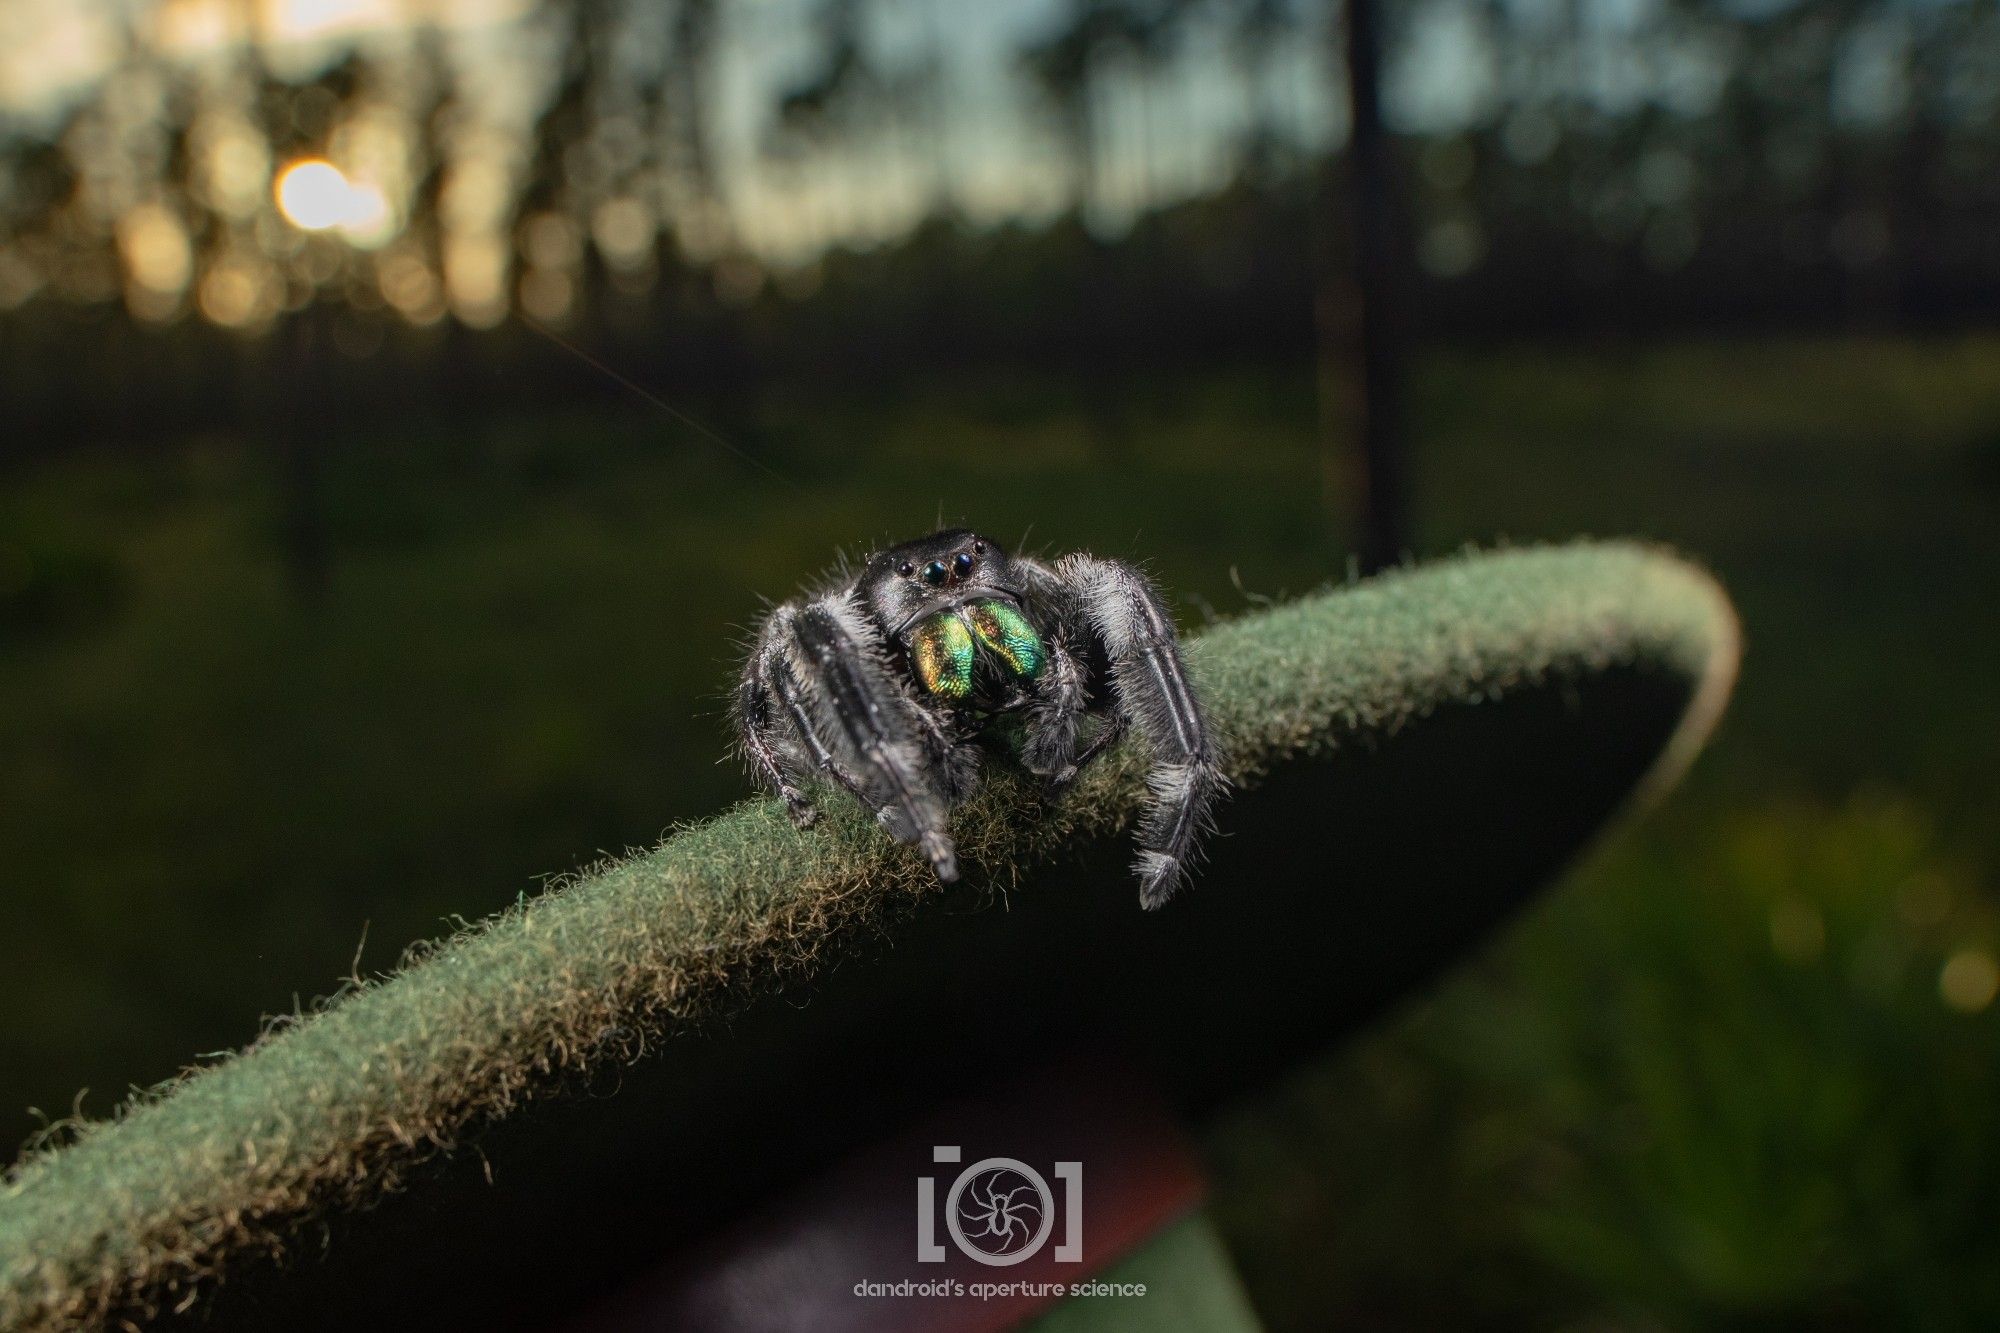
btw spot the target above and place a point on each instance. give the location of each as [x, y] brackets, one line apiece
[1762, 1092]
[48, 588]
[1728, 1077]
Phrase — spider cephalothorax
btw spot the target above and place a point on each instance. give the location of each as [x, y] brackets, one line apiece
[885, 680]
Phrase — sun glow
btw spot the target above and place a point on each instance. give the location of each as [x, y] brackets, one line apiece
[316, 196]
[307, 20]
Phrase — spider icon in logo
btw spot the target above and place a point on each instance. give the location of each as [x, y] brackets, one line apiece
[1000, 1211]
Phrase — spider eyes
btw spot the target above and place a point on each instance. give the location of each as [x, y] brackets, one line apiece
[953, 569]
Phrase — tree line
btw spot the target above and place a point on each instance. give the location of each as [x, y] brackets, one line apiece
[1563, 167]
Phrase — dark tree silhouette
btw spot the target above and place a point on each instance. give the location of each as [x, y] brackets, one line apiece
[1379, 468]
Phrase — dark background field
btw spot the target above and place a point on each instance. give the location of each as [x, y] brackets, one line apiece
[320, 633]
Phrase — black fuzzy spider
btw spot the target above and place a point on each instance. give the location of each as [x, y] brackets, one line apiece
[886, 678]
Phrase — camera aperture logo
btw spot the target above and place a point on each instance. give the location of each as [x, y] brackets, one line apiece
[1000, 1211]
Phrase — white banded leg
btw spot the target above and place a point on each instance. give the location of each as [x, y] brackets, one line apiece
[767, 717]
[1122, 609]
[866, 729]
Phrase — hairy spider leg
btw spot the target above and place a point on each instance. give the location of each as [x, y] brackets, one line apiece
[1064, 698]
[1061, 697]
[1121, 608]
[772, 761]
[868, 723]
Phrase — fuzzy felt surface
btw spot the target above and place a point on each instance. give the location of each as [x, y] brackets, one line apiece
[624, 961]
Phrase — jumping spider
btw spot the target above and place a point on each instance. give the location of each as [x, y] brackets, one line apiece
[885, 680]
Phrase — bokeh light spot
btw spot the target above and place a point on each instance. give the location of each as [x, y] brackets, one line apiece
[475, 276]
[1970, 980]
[314, 195]
[370, 221]
[155, 247]
[624, 230]
[240, 291]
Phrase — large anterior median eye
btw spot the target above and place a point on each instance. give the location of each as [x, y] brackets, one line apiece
[934, 573]
[961, 564]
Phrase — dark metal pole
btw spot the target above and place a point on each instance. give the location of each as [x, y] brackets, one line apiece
[1377, 473]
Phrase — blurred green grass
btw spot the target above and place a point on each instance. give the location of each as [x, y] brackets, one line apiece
[1739, 1074]
[209, 792]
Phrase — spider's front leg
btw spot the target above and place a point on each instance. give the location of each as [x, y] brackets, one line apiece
[1120, 608]
[769, 733]
[827, 673]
